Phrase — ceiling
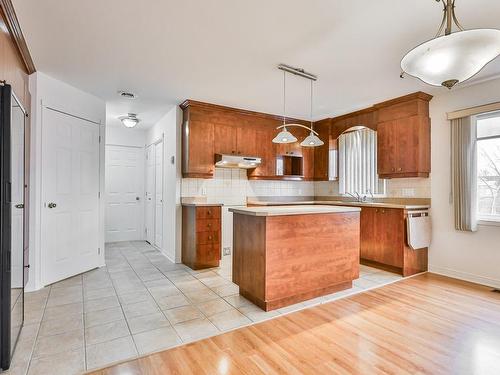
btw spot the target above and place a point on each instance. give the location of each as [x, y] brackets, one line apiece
[226, 51]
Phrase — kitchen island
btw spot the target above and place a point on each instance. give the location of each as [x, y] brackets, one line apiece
[288, 254]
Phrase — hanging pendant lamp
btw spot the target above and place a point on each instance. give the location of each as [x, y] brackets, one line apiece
[284, 136]
[312, 140]
[453, 57]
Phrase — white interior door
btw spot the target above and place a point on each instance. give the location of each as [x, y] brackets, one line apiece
[150, 194]
[124, 193]
[158, 194]
[70, 188]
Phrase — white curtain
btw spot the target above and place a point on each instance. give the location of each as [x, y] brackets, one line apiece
[358, 162]
[464, 173]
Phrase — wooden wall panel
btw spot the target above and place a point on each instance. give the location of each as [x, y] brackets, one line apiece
[12, 68]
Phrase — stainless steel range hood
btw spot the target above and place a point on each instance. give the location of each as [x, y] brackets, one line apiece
[236, 161]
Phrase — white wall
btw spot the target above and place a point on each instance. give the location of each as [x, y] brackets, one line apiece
[469, 256]
[123, 136]
[169, 127]
[50, 92]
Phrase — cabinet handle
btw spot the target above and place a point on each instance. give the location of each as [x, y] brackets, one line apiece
[394, 169]
[209, 237]
[209, 225]
[400, 169]
[232, 152]
[209, 212]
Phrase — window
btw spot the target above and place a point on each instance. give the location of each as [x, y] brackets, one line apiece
[488, 166]
[358, 163]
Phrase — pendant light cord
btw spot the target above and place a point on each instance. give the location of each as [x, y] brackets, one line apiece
[284, 98]
[311, 112]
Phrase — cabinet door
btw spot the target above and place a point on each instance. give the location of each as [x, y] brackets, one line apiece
[200, 153]
[308, 163]
[387, 150]
[224, 139]
[246, 141]
[265, 149]
[368, 240]
[389, 228]
[321, 154]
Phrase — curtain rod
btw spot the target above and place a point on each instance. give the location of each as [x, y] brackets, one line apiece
[474, 111]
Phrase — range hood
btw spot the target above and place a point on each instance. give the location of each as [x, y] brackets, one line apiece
[236, 161]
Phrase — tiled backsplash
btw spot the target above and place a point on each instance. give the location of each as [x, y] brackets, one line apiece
[395, 188]
[231, 187]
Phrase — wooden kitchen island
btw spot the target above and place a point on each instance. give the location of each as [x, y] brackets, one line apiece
[288, 254]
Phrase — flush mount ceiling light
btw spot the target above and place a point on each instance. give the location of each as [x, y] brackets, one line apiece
[453, 57]
[284, 136]
[130, 120]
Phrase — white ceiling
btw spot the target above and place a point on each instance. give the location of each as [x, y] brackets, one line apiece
[226, 51]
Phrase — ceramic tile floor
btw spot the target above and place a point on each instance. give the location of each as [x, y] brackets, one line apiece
[138, 304]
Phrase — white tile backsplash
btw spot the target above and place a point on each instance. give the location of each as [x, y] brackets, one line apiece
[395, 188]
[232, 187]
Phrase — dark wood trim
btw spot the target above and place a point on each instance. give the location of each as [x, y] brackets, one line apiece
[193, 103]
[17, 34]
[381, 266]
[404, 175]
[416, 95]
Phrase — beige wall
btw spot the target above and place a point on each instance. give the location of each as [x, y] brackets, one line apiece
[469, 256]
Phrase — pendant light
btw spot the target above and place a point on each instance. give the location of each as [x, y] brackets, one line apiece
[312, 140]
[284, 136]
[453, 57]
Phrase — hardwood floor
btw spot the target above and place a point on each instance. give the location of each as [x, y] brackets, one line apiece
[427, 324]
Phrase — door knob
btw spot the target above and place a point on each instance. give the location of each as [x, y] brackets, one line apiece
[19, 205]
[52, 205]
[137, 198]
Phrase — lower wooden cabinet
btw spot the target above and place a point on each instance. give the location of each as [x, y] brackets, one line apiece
[383, 242]
[201, 236]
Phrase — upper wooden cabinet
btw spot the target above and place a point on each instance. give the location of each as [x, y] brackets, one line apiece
[404, 137]
[211, 129]
[321, 153]
[402, 125]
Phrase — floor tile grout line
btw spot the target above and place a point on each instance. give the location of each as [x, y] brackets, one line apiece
[38, 330]
[123, 311]
[149, 292]
[84, 328]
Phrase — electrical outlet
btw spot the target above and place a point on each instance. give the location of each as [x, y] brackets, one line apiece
[204, 191]
[226, 251]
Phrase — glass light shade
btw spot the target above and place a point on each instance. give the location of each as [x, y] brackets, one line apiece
[284, 136]
[130, 122]
[450, 59]
[312, 140]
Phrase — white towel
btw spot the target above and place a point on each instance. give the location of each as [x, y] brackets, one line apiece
[419, 231]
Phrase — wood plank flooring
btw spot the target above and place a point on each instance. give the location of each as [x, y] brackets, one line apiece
[427, 324]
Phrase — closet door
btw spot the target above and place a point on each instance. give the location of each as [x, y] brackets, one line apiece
[158, 195]
[70, 193]
[150, 194]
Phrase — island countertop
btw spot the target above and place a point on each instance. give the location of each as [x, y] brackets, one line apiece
[292, 210]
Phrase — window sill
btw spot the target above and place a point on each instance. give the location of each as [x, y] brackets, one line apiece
[489, 222]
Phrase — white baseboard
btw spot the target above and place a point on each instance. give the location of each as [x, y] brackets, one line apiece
[487, 281]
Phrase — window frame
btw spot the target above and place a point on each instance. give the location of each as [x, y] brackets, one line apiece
[483, 219]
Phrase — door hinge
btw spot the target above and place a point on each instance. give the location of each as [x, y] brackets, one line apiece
[99, 139]
[99, 195]
[99, 251]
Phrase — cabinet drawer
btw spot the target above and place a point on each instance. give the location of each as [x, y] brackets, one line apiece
[207, 225]
[208, 254]
[204, 238]
[207, 212]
